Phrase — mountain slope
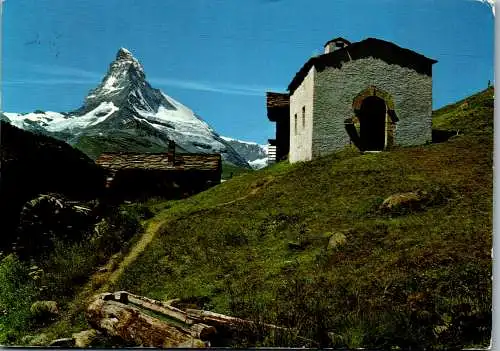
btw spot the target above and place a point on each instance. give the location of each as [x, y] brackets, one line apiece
[307, 246]
[255, 154]
[124, 113]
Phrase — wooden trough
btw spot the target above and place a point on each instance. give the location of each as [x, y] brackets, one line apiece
[151, 323]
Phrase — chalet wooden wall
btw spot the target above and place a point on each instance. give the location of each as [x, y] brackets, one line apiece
[132, 184]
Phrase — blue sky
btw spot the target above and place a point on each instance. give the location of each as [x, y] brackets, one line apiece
[219, 57]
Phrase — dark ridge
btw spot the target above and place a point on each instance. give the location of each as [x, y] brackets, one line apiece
[33, 164]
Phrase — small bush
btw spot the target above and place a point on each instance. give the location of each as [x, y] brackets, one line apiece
[43, 311]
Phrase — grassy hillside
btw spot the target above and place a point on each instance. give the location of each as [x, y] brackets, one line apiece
[230, 170]
[306, 245]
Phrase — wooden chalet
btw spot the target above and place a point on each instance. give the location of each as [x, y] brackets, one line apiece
[171, 175]
[278, 110]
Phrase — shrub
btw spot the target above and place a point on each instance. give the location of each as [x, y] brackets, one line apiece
[43, 311]
[17, 294]
[71, 264]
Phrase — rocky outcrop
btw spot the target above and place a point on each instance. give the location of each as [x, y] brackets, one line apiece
[51, 216]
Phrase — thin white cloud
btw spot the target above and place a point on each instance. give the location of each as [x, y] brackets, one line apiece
[71, 75]
[49, 81]
[61, 71]
[216, 87]
[490, 3]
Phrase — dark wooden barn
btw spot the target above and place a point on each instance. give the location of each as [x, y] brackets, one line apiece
[169, 175]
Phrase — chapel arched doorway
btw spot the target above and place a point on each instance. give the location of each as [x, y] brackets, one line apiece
[373, 124]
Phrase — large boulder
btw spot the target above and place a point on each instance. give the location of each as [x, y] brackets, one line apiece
[400, 201]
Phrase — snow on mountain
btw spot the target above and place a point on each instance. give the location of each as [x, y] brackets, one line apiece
[39, 117]
[124, 113]
[239, 141]
[255, 154]
[258, 163]
[93, 117]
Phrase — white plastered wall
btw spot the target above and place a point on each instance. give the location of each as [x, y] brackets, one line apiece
[301, 137]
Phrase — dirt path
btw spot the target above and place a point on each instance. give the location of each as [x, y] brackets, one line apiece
[251, 193]
[139, 247]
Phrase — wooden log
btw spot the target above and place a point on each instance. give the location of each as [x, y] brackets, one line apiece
[181, 317]
[196, 325]
[130, 324]
[222, 320]
[240, 325]
[157, 306]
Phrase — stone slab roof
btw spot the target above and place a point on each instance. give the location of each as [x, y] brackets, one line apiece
[159, 161]
[370, 47]
[277, 99]
[277, 105]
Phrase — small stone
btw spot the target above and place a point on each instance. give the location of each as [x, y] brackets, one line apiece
[336, 240]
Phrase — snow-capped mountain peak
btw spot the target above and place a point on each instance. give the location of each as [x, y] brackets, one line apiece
[123, 71]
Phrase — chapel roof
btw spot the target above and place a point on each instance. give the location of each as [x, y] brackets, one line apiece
[370, 47]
